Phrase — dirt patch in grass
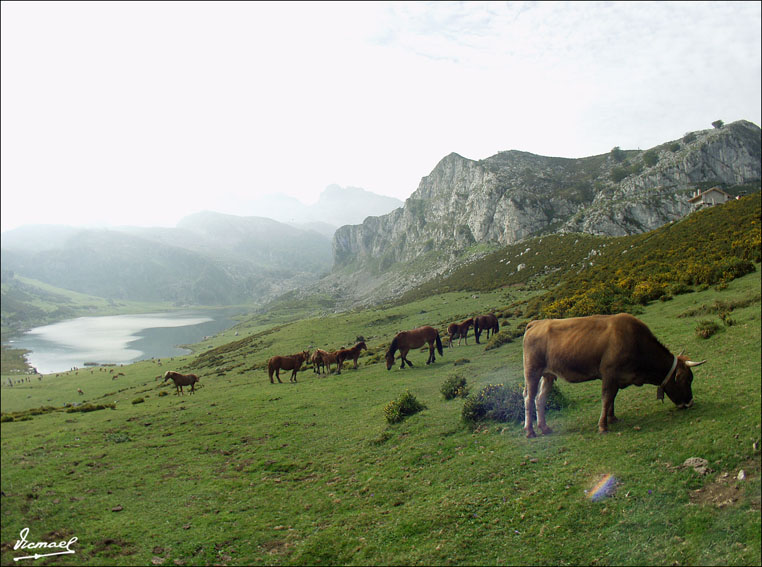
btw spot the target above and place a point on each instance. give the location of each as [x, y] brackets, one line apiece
[727, 489]
[113, 547]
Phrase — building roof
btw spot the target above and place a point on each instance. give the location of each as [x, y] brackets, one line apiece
[700, 194]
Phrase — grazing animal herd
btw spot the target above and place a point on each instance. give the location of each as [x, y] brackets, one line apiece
[620, 350]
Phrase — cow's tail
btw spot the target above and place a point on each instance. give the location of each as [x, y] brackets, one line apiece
[439, 345]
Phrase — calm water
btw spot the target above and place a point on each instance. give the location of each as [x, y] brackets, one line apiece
[118, 339]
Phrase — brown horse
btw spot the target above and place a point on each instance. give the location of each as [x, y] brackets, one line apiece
[317, 361]
[416, 338]
[485, 323]
[326, 359]
[459, 331]
[349, 353]
[181, 380]
[293, 362]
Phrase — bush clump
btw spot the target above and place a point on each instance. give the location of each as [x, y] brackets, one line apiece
[706, 329]
[138, 401]
[454, 387]
[504, 403]
[502, 337]
[404, 406]
[90, 407]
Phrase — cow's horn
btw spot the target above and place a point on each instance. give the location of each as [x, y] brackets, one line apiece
[690, 363]
[682, 352]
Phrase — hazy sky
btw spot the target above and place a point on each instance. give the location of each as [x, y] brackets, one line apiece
[140, 113]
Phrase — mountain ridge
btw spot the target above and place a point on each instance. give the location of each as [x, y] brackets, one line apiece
[514, 195]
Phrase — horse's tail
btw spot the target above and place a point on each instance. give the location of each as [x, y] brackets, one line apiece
[439, 345]
[497, 325]
[270, 369]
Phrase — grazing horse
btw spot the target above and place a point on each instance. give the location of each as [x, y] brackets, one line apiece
[349, 353]
[416, 338]
[293, 362]
[459, 331]
[485, 323]
[181, 380]
[80, 392]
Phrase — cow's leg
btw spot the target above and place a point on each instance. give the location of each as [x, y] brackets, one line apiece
[609, 392]
[546, 384]
[531, 381]
[532, 378]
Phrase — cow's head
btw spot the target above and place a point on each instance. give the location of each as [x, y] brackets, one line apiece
[678, 387]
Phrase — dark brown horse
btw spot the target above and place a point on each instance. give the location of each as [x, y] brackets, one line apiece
[349, 353]
[181, 380]
[293, 362]
[416, 338]
[459, 330]
[485, 323]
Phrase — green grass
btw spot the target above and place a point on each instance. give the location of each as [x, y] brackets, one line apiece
[245, 472]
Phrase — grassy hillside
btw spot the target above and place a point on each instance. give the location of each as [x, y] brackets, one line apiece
[583, 275]
[247, 472]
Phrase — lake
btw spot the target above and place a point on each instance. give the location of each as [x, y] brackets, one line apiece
[119, 339]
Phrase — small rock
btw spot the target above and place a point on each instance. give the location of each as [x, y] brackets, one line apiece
[117, 508]
[741, 475]
[698, 464]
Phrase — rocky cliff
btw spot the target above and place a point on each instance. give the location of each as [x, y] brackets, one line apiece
[514, 195]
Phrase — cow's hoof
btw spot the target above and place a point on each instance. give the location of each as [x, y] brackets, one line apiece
[531, 434]
[602, 431]
[546, 430]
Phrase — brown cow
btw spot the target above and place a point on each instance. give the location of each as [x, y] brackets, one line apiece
[619, 350]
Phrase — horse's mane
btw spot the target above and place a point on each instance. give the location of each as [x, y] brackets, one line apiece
[394, 346]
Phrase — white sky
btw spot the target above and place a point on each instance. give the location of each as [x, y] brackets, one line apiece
[140, 113]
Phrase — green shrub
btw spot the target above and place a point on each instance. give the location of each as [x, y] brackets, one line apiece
[90, 407]
[706, 329]
[674, 147]
[504, 403]
[163, 393]
[138, 401]
[404, 406]
[650, 158]
[618, 154]
[618, 174]
[503, 337]
[454, 387]
[461, 361]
